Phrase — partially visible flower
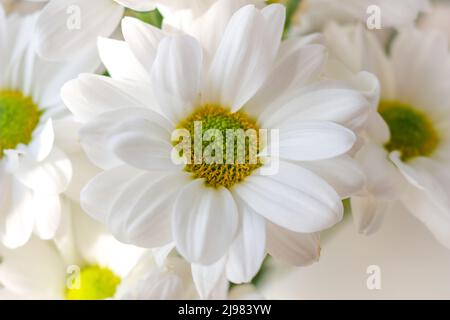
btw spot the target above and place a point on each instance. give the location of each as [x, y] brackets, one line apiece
[406, 154]
[313, 15]
[85, 262]
[69, 27]
[438, 18]
[222, 218]
[34, 171]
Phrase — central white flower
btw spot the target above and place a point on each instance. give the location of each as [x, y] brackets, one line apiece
[220, 218]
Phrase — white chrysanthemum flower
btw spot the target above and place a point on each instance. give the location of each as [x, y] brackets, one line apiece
[224, 216]
[67, 27]
[313, 15]
[34, 171]
[406, 155]
[192, 16]
[84, 262]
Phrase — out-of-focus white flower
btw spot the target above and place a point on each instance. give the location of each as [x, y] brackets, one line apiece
[403, 260]
[437, 19]
[20, 6]
[86, 262]
[406, 155]
[313, 15]
[34, 171]
[220, 219]
[67, 28]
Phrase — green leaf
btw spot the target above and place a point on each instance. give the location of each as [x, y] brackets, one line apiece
[153, 17]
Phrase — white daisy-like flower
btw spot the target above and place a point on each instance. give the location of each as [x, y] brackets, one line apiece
[67, 27]
[34, 171]
[84, 262]
[406, 155]
[225, 216]
[313, 15]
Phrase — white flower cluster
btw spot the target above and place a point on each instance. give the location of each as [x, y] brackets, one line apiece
[163, 149]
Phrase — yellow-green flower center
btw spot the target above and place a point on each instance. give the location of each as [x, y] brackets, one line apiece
[230, 138]
[19, 116]
[94, 283]
[412, 132]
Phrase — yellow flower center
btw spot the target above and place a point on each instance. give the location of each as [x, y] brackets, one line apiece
[93, 283]
[19, 116]
[223, 145]
[412, 132]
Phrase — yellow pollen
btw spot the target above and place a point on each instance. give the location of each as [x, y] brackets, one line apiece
[235, 163]
[19, 116]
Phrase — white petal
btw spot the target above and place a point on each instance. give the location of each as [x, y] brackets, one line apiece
[368, 213]
[248, 250]
[383, 179]
[143, 144]
[418, 84]
[66, 28]
[42, 143]
[314, 140]
[16, 211]
[298, 249]
[143, 40]
[120, 61]
[295, 68]
[90, 95]
[51, 176]
[294, 198]
[245, 55]
[206, 278]
[342, 173]
[322, 101]
[205, 222]
[131, 207]
[138, 5]
[424, 208]
[47, 215]
[97, 135]
[35, 269]
[176, 76]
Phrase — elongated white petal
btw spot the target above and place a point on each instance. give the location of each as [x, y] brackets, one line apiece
[248, 250]
[205, 222]
[16, 211]
[66, 28]
[294, 198]
[298, 249]
[51, 176]
[137, 206]
[90, 95]
[138, 5]
[142, 39]
[120, 61]
[321, 101]
[342, 173]
[314, 140]
[176, 76]
[206, 278]
[244, 57]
